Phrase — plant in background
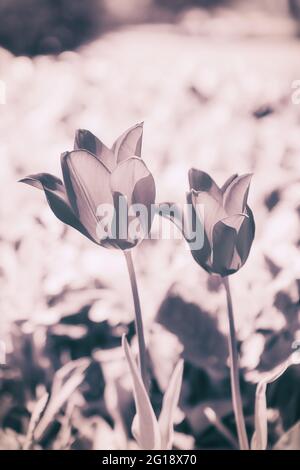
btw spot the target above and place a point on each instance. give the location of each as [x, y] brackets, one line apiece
[95, 176]
[48, 27]
[66, 380]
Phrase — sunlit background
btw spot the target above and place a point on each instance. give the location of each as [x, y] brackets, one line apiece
[213, 82]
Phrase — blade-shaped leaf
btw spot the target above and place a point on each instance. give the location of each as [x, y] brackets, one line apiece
[260, 436]
[145, 427]
[170, 402]
[290, 439]
[34, 420]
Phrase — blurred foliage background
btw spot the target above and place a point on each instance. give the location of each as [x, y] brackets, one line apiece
[212, 80]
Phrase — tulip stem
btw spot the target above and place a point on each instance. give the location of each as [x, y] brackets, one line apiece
[234, 373]
[138, 320]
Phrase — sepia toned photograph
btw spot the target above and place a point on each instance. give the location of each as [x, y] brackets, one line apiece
[149, 229]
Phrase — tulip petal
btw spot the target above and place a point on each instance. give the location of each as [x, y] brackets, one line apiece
[169, 405]
[202, 255]
[86, 140]
[185, 221]
[57, 199]
[236, 194]
[228, 182]
[213, 210]
[224, 241]
[45, 180]
[235, 221]
[129, 143]
[246, 236]
[133, 179]
[144, 191]
[145, 424]
[201, 181]
[87, 184]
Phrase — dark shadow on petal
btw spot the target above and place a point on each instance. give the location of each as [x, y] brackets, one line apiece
[201, 181]
[44, 180]
[224, 241]
[86, 140]
[125, 177]
[64, 213]
[228, 182]
[118, 231]
[201, 256]
[120, 220]
[246, 236]
[144, 193]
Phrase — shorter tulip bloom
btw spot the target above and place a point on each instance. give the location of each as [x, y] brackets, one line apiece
[229, 229]
[95, 178]
[227, 221]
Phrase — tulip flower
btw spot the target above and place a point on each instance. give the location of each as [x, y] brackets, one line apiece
[95, 178]
[228, 221]
[229, 230]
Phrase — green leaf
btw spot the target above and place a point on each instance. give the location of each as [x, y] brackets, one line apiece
[170, 401]
[145, 426]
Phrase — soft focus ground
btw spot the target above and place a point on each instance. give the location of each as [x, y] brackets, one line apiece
[217, 103]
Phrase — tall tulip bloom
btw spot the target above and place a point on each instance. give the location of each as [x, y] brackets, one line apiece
[228, 221]
[229, 230]
[96, 177]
